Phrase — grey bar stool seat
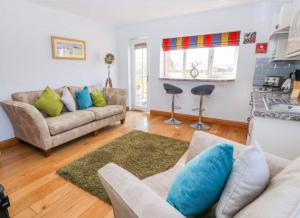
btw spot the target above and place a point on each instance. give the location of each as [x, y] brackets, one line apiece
[173, 90]
[201, 90]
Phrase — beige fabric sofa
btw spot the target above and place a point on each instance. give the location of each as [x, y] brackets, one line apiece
[133, 198]
[31, 126]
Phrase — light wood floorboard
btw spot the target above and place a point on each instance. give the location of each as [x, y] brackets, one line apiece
[35, 190]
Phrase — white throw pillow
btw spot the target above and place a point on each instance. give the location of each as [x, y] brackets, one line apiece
[68, 100]
[281, 199]
[248, 179]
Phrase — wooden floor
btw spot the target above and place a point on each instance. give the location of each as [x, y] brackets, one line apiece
[36, 191]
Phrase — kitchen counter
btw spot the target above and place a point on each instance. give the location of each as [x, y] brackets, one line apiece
[263, 100]
[275, 131]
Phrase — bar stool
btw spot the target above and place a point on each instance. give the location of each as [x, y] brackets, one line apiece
[173, 90]
[201, 90]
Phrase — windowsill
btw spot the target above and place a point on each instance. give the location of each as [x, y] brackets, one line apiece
[199, 79]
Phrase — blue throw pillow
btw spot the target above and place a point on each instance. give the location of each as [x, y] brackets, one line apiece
[83, 98]
[199, 185]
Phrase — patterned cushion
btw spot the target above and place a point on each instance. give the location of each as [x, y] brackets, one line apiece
[97, 87]
[92, 88]
[30, 97]
[115, 96]
[69, 120]
[106, 111]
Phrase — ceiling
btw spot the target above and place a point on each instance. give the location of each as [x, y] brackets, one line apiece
[123, 12]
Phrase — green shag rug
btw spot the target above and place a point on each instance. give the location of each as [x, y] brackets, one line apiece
[140, 153]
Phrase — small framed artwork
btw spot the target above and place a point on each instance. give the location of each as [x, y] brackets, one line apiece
[261, 48]
[249, 38]
[66, 48]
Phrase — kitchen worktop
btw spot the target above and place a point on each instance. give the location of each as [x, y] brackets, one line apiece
[263, 100]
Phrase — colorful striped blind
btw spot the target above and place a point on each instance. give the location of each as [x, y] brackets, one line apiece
[202, 41]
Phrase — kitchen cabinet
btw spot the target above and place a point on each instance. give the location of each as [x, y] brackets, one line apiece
[276, 136]
[285, 40]
[293, 48]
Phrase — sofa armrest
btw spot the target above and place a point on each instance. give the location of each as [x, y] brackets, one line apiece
[131, 198]
[202, 140]
[28, 123]
[116, 96]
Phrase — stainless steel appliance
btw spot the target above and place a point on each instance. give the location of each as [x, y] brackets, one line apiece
[273, 81]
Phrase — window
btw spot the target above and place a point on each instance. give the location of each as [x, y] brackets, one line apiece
[209, 56]
[208, 63]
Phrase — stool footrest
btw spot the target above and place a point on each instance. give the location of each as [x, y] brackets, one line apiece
[198, 109]
[177, 107]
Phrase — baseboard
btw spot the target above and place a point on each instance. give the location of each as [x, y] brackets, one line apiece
[8, 143]
[134, 109]
[188, 117]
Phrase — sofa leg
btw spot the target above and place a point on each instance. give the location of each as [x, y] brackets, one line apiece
[47, 153]
[123, 121]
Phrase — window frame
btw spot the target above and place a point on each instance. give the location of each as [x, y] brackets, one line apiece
[209, 66]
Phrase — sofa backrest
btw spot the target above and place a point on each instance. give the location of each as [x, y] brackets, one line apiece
[202, 140]
[31, 96]
[92, 88]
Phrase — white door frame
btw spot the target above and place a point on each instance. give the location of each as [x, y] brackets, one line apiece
[132, 73]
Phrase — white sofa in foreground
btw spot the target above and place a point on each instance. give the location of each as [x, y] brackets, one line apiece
[133, 198]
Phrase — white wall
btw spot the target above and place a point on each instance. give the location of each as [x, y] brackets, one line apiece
[25, 54]
[230, 100]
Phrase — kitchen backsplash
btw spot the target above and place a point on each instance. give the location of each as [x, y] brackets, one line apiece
[264, 67]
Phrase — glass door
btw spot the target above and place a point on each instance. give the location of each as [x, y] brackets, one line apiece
[140, 76]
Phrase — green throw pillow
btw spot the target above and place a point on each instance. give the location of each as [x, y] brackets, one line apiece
[49, 102]
[98, 99]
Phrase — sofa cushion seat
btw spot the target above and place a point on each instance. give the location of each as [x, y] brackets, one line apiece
[107, 111]
[69, 120]
[161, 182]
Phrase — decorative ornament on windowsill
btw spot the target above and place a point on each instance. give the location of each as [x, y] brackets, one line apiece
[109, 60]
[194, 72]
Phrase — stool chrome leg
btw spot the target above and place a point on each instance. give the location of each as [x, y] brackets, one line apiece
[199, 125]
[172, 120]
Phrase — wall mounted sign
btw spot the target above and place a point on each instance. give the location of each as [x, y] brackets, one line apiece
[261, 48]
[249, 38]
[66, 48]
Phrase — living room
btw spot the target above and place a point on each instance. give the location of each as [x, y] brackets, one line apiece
[137, 108]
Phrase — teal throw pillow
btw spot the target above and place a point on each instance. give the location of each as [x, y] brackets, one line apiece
[198, 186]
[83, 98]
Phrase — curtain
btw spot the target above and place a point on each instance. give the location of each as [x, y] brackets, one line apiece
[202, 41]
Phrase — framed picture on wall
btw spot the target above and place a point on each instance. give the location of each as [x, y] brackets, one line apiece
[66, 48]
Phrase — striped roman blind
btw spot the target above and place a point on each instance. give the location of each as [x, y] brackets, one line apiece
[202, 41]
